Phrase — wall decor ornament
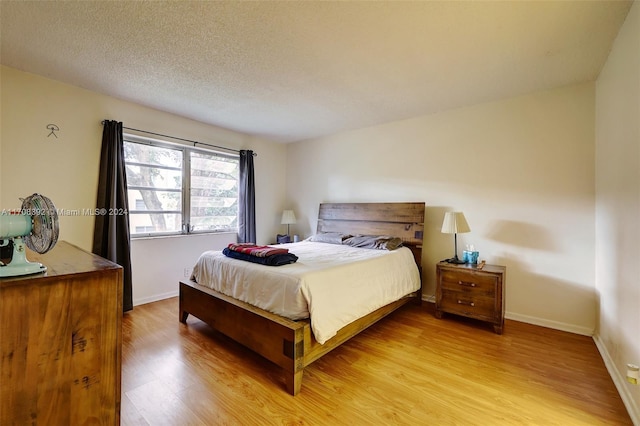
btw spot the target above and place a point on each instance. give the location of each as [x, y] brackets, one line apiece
[53, 129]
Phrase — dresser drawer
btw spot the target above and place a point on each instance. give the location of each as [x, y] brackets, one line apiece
[466, 304]
[478, 283]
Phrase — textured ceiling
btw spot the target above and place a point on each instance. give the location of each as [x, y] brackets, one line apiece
[289, 71]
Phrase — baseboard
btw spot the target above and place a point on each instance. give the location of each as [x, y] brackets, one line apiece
[571, 328]
[430, 299]
[556, 325]
[619, 381]
[155, 298]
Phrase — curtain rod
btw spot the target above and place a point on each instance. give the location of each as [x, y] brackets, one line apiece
[184, 140]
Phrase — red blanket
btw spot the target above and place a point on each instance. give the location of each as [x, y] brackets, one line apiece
[255, 250]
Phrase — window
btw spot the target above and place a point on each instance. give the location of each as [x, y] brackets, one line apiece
[176, 189]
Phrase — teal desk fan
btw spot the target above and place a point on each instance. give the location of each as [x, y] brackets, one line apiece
[35, 226]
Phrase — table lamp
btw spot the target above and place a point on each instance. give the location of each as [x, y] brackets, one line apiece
[288, 218]
[455, 223]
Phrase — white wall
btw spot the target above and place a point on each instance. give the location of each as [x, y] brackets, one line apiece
[66, 168]
[169, 260]
[521, 170]
[618, 208]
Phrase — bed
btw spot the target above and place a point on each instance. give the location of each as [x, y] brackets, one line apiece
[291, 344]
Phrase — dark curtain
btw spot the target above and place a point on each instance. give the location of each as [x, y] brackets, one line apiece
[111, 238]
[247, 201]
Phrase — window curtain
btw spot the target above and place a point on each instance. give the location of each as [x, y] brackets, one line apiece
[247, 199]
[111, 238]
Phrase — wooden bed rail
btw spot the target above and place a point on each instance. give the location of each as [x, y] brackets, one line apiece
[288, 344]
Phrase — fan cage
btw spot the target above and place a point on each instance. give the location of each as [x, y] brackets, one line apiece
[44, 223]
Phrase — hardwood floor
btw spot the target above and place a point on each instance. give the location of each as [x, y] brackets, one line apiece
[410, 368]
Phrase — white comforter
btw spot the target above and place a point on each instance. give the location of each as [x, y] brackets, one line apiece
[332, 284]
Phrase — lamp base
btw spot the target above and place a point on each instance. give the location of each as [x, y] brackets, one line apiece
[455, 261]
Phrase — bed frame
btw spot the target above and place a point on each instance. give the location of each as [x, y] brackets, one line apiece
[290, 344]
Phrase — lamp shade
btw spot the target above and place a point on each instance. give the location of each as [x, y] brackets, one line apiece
[288, 217]
[455, 223]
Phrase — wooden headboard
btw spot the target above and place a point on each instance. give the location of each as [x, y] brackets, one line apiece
[402, 220]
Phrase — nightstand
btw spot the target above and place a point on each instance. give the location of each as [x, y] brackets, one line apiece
[471, 292]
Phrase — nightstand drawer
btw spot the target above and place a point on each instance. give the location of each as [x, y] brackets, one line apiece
[465, 304]
[468, 281]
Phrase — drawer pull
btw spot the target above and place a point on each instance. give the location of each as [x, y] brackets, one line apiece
[460, 302]
[464, 283]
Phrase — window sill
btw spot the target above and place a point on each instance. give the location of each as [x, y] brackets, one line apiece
[194, 234]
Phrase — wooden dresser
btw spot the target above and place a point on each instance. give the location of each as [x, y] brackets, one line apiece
[61, 341]
[471, 292]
